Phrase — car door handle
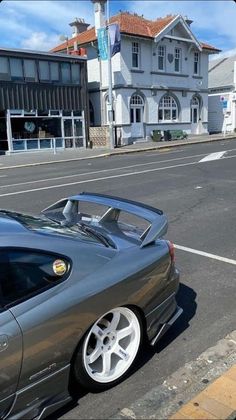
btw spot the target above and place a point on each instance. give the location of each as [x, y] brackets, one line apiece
[3, 342]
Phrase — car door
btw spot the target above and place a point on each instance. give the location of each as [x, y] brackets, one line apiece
[36, 281]
[10, 348]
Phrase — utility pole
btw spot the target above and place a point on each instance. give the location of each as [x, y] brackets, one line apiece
[102, 21]
[110, 96]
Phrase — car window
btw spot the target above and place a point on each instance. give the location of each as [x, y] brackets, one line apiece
[24, 273]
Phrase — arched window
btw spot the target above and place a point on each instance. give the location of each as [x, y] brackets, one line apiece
[168, 109]
[136, 109]
[195, 101]
[136, 100]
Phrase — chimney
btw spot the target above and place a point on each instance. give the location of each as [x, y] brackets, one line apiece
[78, 26]
[188, 21]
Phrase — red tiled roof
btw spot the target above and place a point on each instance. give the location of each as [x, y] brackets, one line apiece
[131, 24]
[209, 47]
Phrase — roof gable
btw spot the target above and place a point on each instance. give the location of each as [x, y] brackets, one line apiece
[179, 25]
[135, 25]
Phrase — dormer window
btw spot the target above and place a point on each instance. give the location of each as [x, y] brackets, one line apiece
[177, 60]
[196, 63]
[135, 55]
[161, 58]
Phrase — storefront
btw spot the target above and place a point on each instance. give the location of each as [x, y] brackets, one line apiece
[39, 130]
[48, 112]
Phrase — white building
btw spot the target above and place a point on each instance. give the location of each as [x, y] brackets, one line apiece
[222, 92]
[160, 77]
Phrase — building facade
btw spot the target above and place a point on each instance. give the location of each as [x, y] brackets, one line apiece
[43, 101]
[160, 77]
[222, 95]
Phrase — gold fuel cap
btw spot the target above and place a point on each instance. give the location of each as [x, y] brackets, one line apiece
[59, 267]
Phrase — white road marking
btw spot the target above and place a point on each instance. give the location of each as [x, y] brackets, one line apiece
[86, 181]
[213, 156]
[205, 254]
[100, 171]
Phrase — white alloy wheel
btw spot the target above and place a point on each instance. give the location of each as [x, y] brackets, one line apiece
[111, 345]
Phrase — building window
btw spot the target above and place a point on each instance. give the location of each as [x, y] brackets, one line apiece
[4, 69]
[136, 109]
[30, 70]
[75, 73]
[65, 73]
[168, 109]
[196, 63]
[135, 55]
[54, 71]
[16, 69]
[161, 57]
[44, 74]
[177, 60]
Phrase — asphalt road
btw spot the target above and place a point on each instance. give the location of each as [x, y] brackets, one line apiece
[199, 199]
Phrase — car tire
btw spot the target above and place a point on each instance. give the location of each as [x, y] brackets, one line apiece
[109, 349]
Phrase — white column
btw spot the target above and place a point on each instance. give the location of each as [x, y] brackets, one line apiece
[9, 132]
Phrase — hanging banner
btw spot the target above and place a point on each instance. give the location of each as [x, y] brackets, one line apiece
[114, 31]
[102, 44]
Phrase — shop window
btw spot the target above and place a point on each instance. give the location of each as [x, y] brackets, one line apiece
[4, 69]
[44, 74]
[16, 69]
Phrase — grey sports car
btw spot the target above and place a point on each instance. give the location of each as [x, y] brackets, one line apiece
[80, 288]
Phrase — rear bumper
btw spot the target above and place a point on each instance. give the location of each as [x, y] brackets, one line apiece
[167, 325]
[165, 314]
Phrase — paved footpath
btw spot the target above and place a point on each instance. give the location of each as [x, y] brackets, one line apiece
[202, 389]
[17, 160]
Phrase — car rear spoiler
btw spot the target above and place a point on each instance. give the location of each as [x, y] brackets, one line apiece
[158, 221]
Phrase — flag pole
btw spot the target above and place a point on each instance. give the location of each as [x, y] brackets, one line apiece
[110, 96]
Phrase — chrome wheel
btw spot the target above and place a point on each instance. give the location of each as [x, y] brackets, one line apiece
[111, 345]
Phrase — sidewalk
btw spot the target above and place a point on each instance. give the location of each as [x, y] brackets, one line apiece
[204, 388]
[48, 157]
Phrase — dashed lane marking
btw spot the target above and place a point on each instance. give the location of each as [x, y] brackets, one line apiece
[205, 254]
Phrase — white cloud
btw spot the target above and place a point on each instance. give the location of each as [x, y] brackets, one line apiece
[38, 24]
[40, 41]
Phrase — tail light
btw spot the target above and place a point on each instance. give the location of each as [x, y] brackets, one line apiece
[171, 251]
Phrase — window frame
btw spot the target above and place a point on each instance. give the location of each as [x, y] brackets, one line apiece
[30, 295]
[164, 109]
[196, 72]
[161, 55]
[178, 59]
[136, 52]
[17, 78]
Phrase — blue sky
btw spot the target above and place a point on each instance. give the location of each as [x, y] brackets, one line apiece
[39, 24]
